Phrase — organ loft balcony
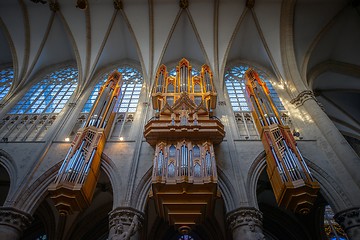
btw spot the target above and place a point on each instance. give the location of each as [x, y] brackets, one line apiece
[183, 132]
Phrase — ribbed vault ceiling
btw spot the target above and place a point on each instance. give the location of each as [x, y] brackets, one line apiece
[326, 41]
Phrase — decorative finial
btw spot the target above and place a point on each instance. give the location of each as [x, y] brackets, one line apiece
[54, 6]
[184, 4]
[118, 5]
[250, 3]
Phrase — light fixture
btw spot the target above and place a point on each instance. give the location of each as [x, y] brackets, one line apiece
[67, 139]
[121, 138]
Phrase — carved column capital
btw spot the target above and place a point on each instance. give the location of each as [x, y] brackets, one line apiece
[350, 221]
[246, 223]
[244, 216]
[15, 218]
[305, 95]
[124, 222]
[302, 97]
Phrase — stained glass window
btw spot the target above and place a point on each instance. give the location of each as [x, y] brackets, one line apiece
[6, 78]
[186, 237]
[235, 85]
[333, 230]
[130, 90]
[42, 237]
[50, 94]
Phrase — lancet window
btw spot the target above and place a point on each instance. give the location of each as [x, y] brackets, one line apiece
[235, 85]
[6, 78]
[127, 104]
[33, 115]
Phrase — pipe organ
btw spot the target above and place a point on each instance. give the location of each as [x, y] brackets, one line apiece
[292, 182]
[183, 132]
[75, 183]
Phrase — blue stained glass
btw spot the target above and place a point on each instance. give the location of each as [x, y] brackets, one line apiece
[235, 82]
[44, 96]
[6, 78]
[130, 89]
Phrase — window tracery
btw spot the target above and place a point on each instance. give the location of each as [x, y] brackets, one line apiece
[6, 78]
[127, 103]
[36, 111]
[235, 85]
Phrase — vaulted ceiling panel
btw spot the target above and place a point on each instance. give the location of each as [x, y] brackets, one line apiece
[340, 42]
[330, 80]
[229, 15]
[101, 17]
[165, 12]
[339, 115]
[247, 44]
[11, 14]
[203, 17]
[40, 22]
[268, 15]
[308, 23]
[119, 46]
[76, 21]
[323, 49]
[183, 43]
[57, 48]
[137, 11]
[347, 48]
[5, 56]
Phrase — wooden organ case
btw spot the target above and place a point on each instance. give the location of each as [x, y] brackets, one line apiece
[292, 183]
[75, 183]
[184, 178]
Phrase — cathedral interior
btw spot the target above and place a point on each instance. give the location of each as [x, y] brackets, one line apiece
[180, 119]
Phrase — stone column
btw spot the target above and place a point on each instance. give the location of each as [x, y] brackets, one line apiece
[125, 222]
[245, 224]
[334, 138]
[350, 221]
[13, 222]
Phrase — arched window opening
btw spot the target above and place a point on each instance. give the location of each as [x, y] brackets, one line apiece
[126, 105]
[333, 230]
[33, 115]
[128, 101]
[5, 185]
[6, 79]
[235, 85]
